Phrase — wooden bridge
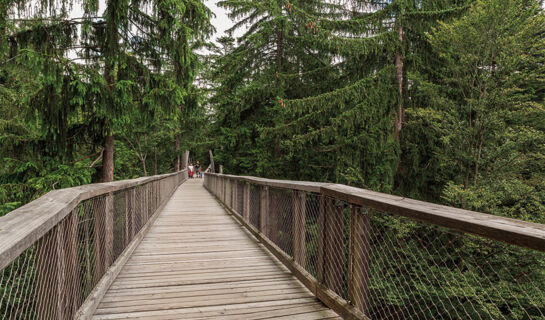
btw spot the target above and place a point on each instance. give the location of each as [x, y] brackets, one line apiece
[234, 247]
[198, 262]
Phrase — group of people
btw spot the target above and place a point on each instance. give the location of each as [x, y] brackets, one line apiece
[194, 170]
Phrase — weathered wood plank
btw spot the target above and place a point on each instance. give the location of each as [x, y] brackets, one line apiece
[517, 232]
[188, 263]
[22, 227]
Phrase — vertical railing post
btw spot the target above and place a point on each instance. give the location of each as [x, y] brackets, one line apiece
[99, 217]
[228, 191]
[358, 284]
[246, 202]
[50, 274]
[108, 231]
[264, 213]
[130, 214]
[299, 228]
[71, 263]
[145, 203]
[333, 245]
[321, 239]
[234, 191]
[222, 189]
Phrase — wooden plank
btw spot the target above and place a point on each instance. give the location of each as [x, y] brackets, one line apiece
[324, 294]
[143, 305]
[186, 265]
[211, 311]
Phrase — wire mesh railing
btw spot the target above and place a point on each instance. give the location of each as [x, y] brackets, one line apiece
[375, 256]
[55, 250]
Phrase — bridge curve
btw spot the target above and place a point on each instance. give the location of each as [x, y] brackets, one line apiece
[197, 262]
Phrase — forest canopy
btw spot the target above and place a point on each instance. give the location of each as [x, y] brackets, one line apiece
[432, 99]
[437, 100]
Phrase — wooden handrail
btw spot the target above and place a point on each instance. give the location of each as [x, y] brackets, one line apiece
[516, 232]
[22, 227]
[286, 184]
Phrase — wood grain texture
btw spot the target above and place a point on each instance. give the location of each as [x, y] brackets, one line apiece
[327, 296]
[196, 262]
[22, 227]
[512, 231]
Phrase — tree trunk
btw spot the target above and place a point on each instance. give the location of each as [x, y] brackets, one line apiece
[399, 77]
[143, 160]
[155, 161]
[108, 159]
[212, 167]
[177, 152]
[185, 160]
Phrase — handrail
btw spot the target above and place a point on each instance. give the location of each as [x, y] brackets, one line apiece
[59, 253]
[513, 231]
[367, 254]
[20, 228]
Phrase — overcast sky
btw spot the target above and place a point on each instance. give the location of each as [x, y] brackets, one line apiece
[221, 21]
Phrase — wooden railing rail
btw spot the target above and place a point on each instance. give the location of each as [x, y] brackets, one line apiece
[367, 254]
[55, 251]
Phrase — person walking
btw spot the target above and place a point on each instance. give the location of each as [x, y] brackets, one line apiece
[198, 170]
[190, 169]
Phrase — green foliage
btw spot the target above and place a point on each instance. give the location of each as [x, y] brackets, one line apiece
[68, 83]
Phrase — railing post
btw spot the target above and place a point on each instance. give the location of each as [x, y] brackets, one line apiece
[109, 231]
[130, 214]
[234, 197]
[246, 202]
[222, 189]
[72, 280]
[358, 284]
[50, 274]
[264, 206]
[228, 192]
[299, 227]
[333, 245]
[321, 239]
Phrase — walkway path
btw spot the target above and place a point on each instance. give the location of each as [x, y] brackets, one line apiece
[197, 262]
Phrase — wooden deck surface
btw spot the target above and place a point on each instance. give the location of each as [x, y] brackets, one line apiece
[197, 262]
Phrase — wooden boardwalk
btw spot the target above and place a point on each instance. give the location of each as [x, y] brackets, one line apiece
[197, 262]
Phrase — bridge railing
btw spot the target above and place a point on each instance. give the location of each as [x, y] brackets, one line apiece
[59, 252]
[369, 255]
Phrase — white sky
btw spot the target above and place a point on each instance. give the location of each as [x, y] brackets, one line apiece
[221, 22]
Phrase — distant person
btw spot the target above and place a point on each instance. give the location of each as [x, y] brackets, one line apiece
[198, 169]
[190, 170]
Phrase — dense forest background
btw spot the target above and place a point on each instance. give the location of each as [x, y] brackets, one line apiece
[441, 100]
